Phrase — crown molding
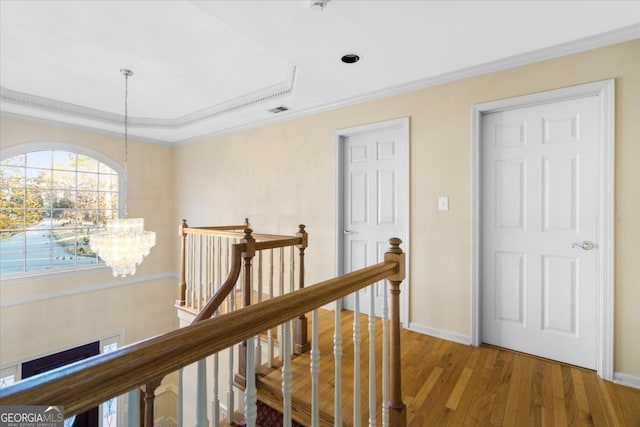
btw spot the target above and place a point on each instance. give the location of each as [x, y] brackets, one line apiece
[588, 43]
[37, 105]
[91, 118]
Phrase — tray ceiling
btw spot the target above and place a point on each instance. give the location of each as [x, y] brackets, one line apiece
[210, 67]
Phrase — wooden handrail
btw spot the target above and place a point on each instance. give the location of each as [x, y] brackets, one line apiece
[85, 384]
[226, 288]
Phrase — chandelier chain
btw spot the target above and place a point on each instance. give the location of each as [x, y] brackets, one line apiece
[127, 73]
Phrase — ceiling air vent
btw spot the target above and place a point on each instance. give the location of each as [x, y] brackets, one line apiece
[278, 109]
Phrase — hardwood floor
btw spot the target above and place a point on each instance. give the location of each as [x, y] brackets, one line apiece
[450, 384]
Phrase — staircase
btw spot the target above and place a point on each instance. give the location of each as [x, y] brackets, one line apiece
[220, 344]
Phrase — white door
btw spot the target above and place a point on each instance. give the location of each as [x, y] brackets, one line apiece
[539, 225]
[374, 204]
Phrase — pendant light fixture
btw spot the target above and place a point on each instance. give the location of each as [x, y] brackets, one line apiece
[123, 243]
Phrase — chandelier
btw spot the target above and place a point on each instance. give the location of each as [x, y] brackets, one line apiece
[123, 243]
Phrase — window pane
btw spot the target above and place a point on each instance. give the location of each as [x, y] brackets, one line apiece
[108, 183]
[106, 169]
[87, 164]
[87, 200]
[39, 198]
[7, 381]
[11, 219]
[87, 181]
[65, 239]
[12, 176]
[39, 159]
[64, 216]
[39, 259]
[63, 199]
[108, 201]
[11, 252]
[12, 198]
[64, 180]
[33, 217]
[39, 239]
[87, 218]
[64, 160]
[18, 160]
[107, 215]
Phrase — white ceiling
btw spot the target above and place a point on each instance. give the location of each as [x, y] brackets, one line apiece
[210, 67]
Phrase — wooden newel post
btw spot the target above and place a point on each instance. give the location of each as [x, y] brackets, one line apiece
[149, 390]
[301, 342]
[397, 408]
[240, 378]
[182, 283]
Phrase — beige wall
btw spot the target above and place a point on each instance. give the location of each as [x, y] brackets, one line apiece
[284, 174]
[45, 314]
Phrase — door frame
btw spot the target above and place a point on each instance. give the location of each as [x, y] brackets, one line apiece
[604, 91]
[340, 135]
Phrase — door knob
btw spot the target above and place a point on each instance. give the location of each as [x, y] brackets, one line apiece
[347, 232]
[586, 245]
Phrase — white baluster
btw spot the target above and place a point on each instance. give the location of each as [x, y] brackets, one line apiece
[283, 349]
[190, 282]
[357, 405]
[286, 376]
[215, 404]
[385, 355]
[201, 394]
[210, 267]
[230, 393]
[372, 356]
[250, 405]
[337, 355]
[258, 356]
[292, 287]
[292, 270]
[201, 289]
[270, 349]
[133, 405]
[219, 264]
[315, 370]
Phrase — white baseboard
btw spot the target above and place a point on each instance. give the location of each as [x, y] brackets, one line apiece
[626, 379]
[439, 333]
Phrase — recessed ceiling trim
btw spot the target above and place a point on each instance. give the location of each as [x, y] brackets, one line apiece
[33, 102]
[592, 42]
[166, 135]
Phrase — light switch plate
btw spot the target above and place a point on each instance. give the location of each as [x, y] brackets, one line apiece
[443, 203]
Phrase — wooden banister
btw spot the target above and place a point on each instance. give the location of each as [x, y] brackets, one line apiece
[301, 342]
[83, 385]
[397, 409]
[224, 290]
[182, 283]
[240, 379]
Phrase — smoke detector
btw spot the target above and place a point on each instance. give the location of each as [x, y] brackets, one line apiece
[318, 5]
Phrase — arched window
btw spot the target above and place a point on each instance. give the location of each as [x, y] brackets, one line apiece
[50, 201]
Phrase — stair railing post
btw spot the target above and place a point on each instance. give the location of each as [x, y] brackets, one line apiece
[301, 341]
[182, 283]
[397, 408]
[240, 379]
[149, 390]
